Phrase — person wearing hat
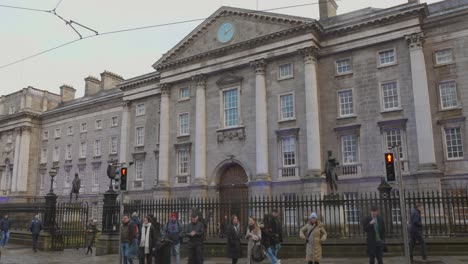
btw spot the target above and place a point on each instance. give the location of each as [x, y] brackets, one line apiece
[194, 231]
[173, 232]
[314, 234]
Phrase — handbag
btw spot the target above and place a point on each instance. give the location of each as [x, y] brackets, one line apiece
[258, 253]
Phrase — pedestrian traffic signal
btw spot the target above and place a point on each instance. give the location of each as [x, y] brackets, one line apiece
[123, 178]
[390, 167]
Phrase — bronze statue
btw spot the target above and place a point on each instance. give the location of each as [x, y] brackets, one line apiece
[330, 172]
[76, 185]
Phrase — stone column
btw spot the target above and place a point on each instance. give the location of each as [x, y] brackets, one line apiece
[261, 124]
[314, 157]
[22, 179]
[200, 131]
[16, 160]
[124, 132]
[164, 137]
[425, 135]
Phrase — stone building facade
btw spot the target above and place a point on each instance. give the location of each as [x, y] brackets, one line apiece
[250, 102]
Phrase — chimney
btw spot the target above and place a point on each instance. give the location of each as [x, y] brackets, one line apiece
[328, 8]
[67, 93]
[110, 80]
[92, 85]
[413, 2]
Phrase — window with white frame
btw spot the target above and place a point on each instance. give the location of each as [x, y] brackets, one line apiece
[140, 109]
[66, 180]
[56, 153]
[44, 155]
[353, 213]
[96, 175]
[443, 56]
[291, 213]
[114, 145]
[140, 136]
[448, 94]
[387, 57]
[394, 137]
[345, 98]
[343, 66]
[231, 107]
[58, 132]
[12, 109]
[41, 179]
[184, 93]
[83, 148]
[115, 121]
[288, 156]
[81, 175]
[84, 127]
[98, 124]
[349, 148]
[139, 169]
[287, 111]
[184, 124]
[390, 96]
[183, 160]
[285, 71]
[70, 130]
[97, 148]
[45, 135]
[68, 151]
[453, 143]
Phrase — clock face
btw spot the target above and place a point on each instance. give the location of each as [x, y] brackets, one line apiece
[225, 32]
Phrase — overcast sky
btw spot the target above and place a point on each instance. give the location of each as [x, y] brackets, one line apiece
[129, 54]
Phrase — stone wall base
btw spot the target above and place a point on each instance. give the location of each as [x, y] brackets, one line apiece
[107, 244]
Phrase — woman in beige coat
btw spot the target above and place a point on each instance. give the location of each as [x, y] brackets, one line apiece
[254, 236]
[314, 234]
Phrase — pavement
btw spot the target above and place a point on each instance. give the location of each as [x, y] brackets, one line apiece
[14, 254]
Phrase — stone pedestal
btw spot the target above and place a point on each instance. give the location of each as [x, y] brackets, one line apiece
[315, 185]
[49, 216]
[108, 242]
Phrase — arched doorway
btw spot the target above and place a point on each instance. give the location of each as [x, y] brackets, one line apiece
[234, 193]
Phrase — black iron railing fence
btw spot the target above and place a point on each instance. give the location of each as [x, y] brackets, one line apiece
[21, 214]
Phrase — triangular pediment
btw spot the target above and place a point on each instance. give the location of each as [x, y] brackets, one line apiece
[244, 25]
[229, 79]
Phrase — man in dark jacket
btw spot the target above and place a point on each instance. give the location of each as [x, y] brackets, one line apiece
[416, 231]
[277, 232]
[233, 234]
[5, 225]
[135, 220]
[375, 228]
[127, 236]
[195, 231]
[173, 232]
[35, 228]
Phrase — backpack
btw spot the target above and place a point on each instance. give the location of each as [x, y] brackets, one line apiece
[178, 231]
[258, 253]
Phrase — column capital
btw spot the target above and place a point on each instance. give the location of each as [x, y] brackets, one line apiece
[310, 54]
[200, 80]
[415, 40]
[259, 66]
[165, 89]
[125, 105]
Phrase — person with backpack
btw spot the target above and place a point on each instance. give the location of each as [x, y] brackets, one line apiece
[314, 234]
[255, 254]
[136, 222]
[174, 233]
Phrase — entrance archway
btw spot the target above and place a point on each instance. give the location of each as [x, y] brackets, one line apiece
[234, 193]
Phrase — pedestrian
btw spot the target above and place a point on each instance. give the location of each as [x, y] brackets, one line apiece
[173, 232]
[268, 238]
[223, 226]
[147, 241]
[135, 220]
[416, 231]
[314, 234]
[233, 234]
[254, 236]
[277, 231]
[374, 226]
[5, 225]
[127, 236]
[91, 231]
[195, 231]
[35, 228]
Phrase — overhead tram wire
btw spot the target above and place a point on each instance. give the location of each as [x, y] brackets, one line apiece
[132, 29]
[26, 8]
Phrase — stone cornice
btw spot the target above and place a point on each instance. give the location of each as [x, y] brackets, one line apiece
[139, 80]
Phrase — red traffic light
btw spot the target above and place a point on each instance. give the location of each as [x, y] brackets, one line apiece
[389, 157]
[123, 171]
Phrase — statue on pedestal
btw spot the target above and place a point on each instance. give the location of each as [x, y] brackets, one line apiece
[330, 172]
[76, 185]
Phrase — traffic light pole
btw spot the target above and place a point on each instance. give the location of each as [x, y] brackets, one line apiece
[404, 222]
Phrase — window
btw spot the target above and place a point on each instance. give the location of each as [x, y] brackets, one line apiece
[288, 156]
[97, 148]
[98, 124]
[231, 107]
[84, 127]
[183, 162]
[387, 57]
[184, 129]
[443, 56]
[56, 153]
[41, 184]
[96, 176]
[343, 66]
[140, 109]
[140, 136]
[184, 93]
[83, 147]
[448, 95]
[390, 97]
[70, 130]
[115, 121]
[66, 181]
[285, 71]
[45, 135]
[139, 170]
[351, 208]
[81, 174]
[393, 137]
[396, 216]
[349, 147]
[114, 145]
[286, 106]
[454, 143]
[346, 102]
[44, 155]
[12, 109]
[68, 151]
[58, 132]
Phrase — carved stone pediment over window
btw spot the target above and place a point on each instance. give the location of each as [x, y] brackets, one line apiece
[229, 79]
[287, 132]
[139, 155]
[184, 145]
[231, 134]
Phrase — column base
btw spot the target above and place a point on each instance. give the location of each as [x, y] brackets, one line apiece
[162, 190]
[199, 182]
[263, 177]
[313, 173]
[315, 185]
[427, 167]
[108, 244]
[260, 188]
[425, 181]
[199, 191]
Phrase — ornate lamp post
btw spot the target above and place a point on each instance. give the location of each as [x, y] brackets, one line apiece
[52, 173]
[51, 203]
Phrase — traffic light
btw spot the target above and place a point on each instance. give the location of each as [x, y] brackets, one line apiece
[123, 178]
[390, 167]
[111, 171]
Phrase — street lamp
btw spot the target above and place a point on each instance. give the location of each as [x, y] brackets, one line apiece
[52, 173]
